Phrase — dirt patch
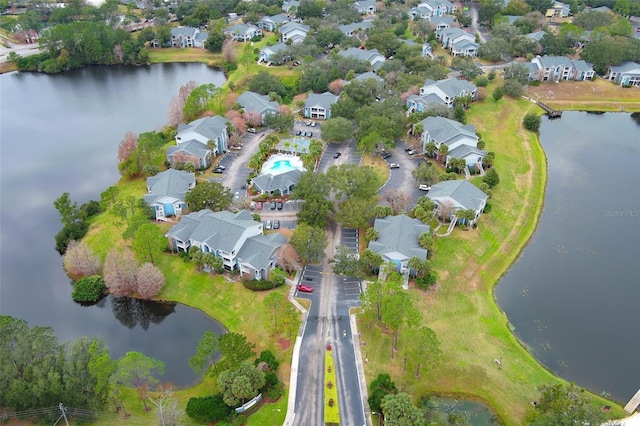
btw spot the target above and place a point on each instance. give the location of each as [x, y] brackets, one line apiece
[283, 343]
[592, 91]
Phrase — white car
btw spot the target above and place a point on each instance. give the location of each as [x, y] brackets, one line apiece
[394, 165]
[424, 187]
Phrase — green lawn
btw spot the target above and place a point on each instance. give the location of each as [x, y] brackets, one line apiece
[472, 329]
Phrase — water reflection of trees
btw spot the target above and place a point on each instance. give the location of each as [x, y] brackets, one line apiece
[131, 312]
[636, 117]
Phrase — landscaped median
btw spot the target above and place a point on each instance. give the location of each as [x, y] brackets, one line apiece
[472, 329]
[331, 409]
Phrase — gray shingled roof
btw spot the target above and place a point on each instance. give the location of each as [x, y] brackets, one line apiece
[537, 35]
[463, 150]
[290, 26]
[347, 28]
[192, 147]
[460, 193]
[444, 130]
[368, 75]
[280, 18]
[209, 127]
[270, 183]
[548, 61]
[183, 31]
[626, 67]
[240, 29]
[360, 54]
[398, 237]
[429, 100]
[582, 66]
[452, 86]
[322, 100]
[219, 230]
[259, 250]
[270, 50]
[254, 102]
[170, 183]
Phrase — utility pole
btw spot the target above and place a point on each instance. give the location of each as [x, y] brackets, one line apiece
[63, 416]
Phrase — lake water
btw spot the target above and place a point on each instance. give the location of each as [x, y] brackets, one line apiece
[61, 133]
[574, 294]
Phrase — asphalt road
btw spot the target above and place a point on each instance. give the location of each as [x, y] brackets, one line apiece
[401, 178]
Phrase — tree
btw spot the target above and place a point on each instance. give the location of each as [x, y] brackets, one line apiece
[516, 72]
[102, 368]
[205, 353]
[443, 150]
[398, 200]
[315, 211]
[378, 389]
[265, 83]
[168, 411]
[128, 146]
[399, 409]
[234, 349]
[279, 122]
[198, 100]
[498, 93]
[229, 51]
[80, 261]
[240, 385]
[540, 5]
[88, 289]
[138, 370]
[395, 306]
[488, 10]
[288, 259]
[423, 348]
[176, 106]
[119, 272]
[274, 301]
[209, 195]
[337, 129]
[370, 261]
[561, 404]
[346, 262]
[372, 234]
[491, 178]
[513, 88]
[309, 243]
[214, 41]
[425, 173]
[351, 180]
[532, 122]
[149, 281]
[356, 212]
[149, 242]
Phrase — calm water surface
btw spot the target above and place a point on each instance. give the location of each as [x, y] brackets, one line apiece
[61, 133]
[574, 294]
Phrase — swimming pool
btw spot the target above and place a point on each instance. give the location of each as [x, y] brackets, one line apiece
[280, 163]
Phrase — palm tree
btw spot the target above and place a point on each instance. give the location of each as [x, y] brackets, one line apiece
[443, 150]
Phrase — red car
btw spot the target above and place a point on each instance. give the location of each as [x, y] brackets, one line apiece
[305, 288]
[259, 205]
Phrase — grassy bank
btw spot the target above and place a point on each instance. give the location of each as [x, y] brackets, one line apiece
[598, 95]
[472, 329]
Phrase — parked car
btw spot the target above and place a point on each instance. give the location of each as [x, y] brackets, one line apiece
[310, 134]
[394, 165]
[259, 205]
[305, 288]
[218, 170]
[298, 132]
[314, 124]
[280, 205]
[303, 133]
[276, 224]
[252, 206]
[267, 225]
[385, 154]
[337, 154]
[272, 206]
[424, 187]
[308, 278]
[220, 166]
[296, 63]
[408, 149]
[251, 130]
[308, 122]
[411, 152]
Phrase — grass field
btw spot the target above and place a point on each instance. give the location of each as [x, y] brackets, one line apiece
[462, 311]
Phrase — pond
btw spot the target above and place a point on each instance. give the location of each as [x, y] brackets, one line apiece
[573, 295]
[459, 411]
[60, 133]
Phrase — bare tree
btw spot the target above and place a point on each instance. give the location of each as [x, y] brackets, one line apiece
[176, 106]
[445, 209]
[336, 86]
[236, 119]
[149, 281]
[288, 258]
[80, 261]
[413, 90]
[119, 272]
[118, 53]
[169, 412]
[127, 146]
[253, 118]
[229, 51]
[398, 200]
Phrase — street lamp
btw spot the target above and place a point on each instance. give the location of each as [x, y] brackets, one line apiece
[273, 413]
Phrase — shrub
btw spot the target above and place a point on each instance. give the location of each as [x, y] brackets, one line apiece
[487, 208]
[208, 408]
[426, 281]
[513, 88]
[491, 178]
[498, 93]
[532, 122]
[88, 289]
[269, 358]
[259, 285]
[482, 81]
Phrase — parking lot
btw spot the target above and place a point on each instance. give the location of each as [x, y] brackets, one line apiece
[311, 130]
[348, 155]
